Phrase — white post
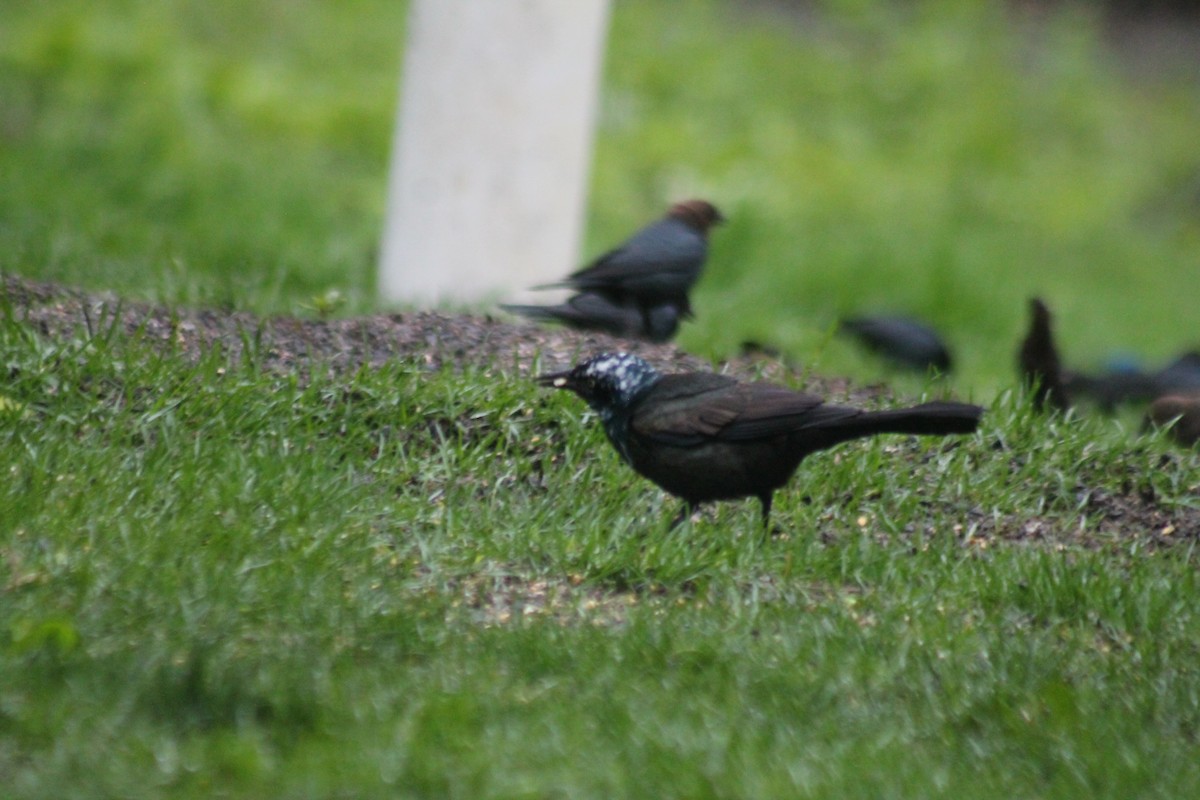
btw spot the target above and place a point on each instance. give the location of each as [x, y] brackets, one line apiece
[492, 147]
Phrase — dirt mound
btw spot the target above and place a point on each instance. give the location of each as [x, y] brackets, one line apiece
[289, 343]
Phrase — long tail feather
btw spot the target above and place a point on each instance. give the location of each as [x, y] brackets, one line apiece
[928, 419]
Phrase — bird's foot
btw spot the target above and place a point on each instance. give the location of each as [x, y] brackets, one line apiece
[685, 514]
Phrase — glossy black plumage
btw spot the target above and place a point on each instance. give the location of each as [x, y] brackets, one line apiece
[704, 437]
[903, 341]
[594, 312]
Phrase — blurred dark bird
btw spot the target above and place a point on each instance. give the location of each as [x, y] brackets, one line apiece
[703, 437]
[1056, 386]
[657, 266]
[1182, 374]
[1112, 389]
[1038, 362]
[589, 311]
[1180, 414]
[903, 341]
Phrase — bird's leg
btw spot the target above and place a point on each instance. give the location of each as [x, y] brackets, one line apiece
[769, 530]
[685, 512]
[647, 325]
[766, 498]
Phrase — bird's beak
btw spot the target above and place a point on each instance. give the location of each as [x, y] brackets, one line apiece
[556, 380]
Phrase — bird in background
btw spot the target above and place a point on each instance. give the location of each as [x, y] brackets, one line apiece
[703, 437]
[589, 311]
[903, 341]
[1179, 414]
[1056, 386]
[1038, 361]
[657, 266]
[1182, 374]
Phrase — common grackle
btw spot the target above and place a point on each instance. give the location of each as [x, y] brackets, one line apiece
[903, 341]
[702, 436]
[657, 265]
[590, 311]
[1038, 362]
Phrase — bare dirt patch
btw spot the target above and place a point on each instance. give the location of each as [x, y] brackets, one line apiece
[286, 343]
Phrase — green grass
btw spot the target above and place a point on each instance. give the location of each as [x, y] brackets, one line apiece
[221, 581]
[933, 159]
[226, 581]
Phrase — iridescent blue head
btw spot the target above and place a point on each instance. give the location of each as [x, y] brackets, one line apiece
[609, 382]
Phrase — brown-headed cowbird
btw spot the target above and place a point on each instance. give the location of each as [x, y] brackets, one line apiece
[703, 437]
[902, 341]
[658, 265]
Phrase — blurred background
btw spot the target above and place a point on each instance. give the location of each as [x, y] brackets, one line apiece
[944, 160]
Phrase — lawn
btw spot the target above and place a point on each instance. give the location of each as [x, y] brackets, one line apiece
[220, 577]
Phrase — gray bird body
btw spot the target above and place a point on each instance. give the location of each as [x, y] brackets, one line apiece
[904, 342]
[658, 265]
[1181, 375]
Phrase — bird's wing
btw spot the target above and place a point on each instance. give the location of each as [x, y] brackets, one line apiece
[667, 246]
[687, 410]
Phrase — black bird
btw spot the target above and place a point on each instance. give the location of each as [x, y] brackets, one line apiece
[903, 341]
[703, 437]
[1057, 386]
[1112, 389]
[658, 265]
[590, 311]
[1038, 362]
